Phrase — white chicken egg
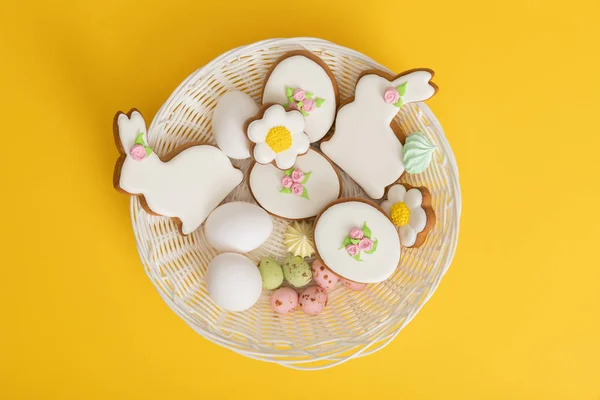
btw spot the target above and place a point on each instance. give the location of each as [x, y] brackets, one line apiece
[233, 282]
[238, 226]
[229, 117]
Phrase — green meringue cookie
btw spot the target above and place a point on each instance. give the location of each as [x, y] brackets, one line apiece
[418, 153]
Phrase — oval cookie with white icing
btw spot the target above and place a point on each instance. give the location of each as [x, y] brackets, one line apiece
[301, 81]
[299, 192]
[357, 240]
[228, 122]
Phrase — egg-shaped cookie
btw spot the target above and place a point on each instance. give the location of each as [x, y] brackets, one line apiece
[299, 192]
[301, 81]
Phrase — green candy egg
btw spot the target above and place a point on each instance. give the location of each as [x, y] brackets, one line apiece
[271, 273]
[297, 271]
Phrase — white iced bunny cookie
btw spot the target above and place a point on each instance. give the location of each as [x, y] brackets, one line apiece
[277, 136]
[301, 81]
[229, 117]
[410, 210]
[186, 184]
[367, 143]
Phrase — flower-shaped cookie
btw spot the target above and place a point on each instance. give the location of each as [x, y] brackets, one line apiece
[278, 136]
[410, 209]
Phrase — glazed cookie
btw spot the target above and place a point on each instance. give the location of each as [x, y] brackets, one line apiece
[365, 130]
[357, 241]
[277, 136]
[186, 184]
[230, 115]
[299, 192]
[301, 81]
[410, 210]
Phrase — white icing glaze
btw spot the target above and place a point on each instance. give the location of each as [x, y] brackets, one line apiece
[333, 226]
[364, 145]
[413, 198]
[238, 226]
[187, 187]
[302, 72]
[276, 116]
[323, 187]
[229, 117]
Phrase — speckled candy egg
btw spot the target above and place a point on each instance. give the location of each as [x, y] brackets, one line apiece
[313, 300]
[353, 285]
[284, 300]
[297, 271]
[323, 275]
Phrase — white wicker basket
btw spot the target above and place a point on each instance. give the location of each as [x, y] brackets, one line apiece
[354, 323]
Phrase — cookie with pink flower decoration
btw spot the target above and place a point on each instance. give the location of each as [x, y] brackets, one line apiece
[357, 240]
[301, 81]
[299, 192]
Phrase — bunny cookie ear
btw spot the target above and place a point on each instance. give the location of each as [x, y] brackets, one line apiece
[415, 85]
[129, 129]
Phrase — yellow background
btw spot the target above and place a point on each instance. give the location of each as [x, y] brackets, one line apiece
[516, 317]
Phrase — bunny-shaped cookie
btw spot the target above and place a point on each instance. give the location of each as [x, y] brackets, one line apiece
[367, 144]
[187, 184]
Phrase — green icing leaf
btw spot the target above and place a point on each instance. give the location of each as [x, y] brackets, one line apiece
[288, 172]
[347, 242]
[308, 95]
[319, 102]
[304, 113]
[148, 151]
[306, 176]
[139, 139]
[354, 241]
[305, 194]
[357, 257]
[402, 88]
[399, 103]
[286, 105]
[374, 248]
[285, 190]
[366, 231]
[289, 92]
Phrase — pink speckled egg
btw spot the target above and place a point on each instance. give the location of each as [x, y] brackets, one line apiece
[284, 300]
[323, 275]
[353, 285]
[313, 300]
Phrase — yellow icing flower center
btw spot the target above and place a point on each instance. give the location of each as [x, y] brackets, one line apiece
[279, 139]
[400, 214]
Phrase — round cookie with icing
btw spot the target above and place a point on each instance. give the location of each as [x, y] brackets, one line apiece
[410, 210]
[299, 192]
[357, 240]
[186, 184]
[365, 129]
[228, 121]
[301, 81]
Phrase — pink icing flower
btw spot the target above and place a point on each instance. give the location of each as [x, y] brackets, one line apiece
[356, 233]
[286, 182]
[391, 95]
[365, 244]
[297, 189]
[309, 105]
[352, 249]
[292, 106]
[137, 152]
[297, 176]
[299, 94]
